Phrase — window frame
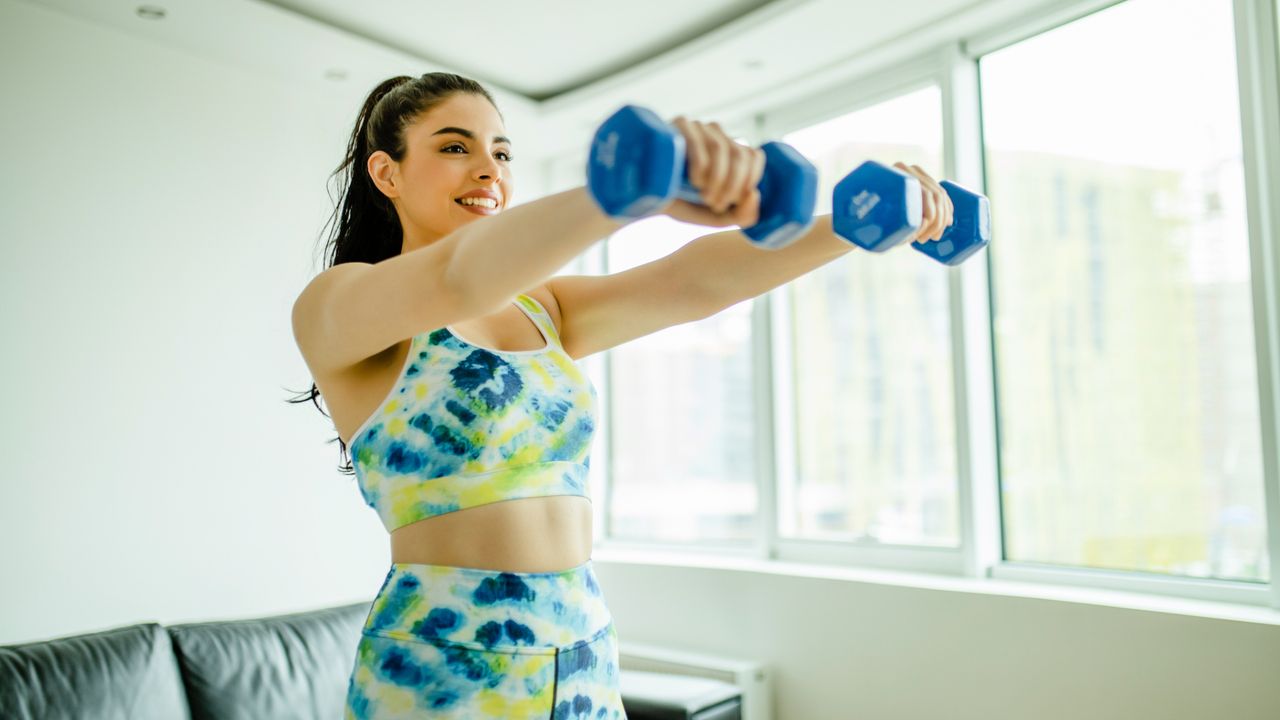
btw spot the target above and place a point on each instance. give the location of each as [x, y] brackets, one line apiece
[953, 68]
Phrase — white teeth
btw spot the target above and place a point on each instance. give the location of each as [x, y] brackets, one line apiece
[482, 202]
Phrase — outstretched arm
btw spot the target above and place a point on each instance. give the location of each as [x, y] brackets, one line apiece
[732, 270]
[705, 276]
[697, 280]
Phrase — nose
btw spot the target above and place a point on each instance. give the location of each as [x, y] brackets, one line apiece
[488, 170]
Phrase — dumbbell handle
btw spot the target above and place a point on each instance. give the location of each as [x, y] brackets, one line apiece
[687, 192]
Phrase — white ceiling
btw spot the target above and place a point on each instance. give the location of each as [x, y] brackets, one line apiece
[538, 49]
[559, 67]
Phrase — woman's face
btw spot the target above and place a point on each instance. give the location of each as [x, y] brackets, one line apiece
[441, 164]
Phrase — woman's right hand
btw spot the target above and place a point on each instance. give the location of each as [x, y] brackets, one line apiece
[724, 171]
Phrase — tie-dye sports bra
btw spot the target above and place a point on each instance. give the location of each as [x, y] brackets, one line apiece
[465, 425]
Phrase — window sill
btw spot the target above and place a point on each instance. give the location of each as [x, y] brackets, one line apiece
[692, 558]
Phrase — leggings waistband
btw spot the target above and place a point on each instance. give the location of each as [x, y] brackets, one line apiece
[533, 613]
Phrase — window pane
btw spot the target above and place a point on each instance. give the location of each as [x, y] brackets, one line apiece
[874, 419]
[681, 416]
[1127, 386]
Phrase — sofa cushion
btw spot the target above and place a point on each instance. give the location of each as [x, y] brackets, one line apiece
[125, 673]
[283, 666]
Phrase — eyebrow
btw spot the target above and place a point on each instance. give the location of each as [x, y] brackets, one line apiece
[468, 134]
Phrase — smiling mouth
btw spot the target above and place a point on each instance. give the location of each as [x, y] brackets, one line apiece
[495, 205]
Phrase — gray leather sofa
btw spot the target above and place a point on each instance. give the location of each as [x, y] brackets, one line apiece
[283, 667]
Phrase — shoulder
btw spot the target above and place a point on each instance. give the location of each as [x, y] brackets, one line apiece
[547, 299]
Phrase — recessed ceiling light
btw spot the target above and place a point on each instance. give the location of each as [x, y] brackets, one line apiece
[150, 12]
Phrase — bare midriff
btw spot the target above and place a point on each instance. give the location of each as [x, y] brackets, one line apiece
[540, 534]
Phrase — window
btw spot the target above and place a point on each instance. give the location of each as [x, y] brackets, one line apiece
[1123, 328]
[1126, 404]
[681, 414]
[870, 354]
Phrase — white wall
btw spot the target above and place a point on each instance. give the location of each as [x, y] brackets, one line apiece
[880, 645]
[160, 211]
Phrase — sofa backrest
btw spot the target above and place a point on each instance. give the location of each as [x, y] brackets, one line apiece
[283, 666]
[119, 674]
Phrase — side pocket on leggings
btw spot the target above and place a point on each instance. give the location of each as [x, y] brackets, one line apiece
[587, 679]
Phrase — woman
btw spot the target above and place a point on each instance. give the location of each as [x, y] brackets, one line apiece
[447, 353]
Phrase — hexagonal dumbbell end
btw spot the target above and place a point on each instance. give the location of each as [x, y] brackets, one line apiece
[634, 165]
[970, 229]
[876, 207]
[788, 196]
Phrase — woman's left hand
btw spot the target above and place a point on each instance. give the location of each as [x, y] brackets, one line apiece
[939, 213]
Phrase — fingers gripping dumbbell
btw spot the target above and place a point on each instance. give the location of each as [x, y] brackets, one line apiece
[876, 207]
[637, 165]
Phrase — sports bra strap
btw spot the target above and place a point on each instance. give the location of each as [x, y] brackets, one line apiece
[539, 316]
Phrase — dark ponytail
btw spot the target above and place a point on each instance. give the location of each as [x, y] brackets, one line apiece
[368, 229]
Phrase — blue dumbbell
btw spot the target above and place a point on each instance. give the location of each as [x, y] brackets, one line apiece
[637, 165]
[876, 207]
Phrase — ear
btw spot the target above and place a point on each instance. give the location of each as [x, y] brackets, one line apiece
[382, 170]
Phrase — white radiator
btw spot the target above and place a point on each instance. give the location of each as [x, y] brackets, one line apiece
[751, 677]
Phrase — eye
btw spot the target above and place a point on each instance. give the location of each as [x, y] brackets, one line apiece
[500, 152]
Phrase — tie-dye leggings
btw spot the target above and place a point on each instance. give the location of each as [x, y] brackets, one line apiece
[457, 642]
